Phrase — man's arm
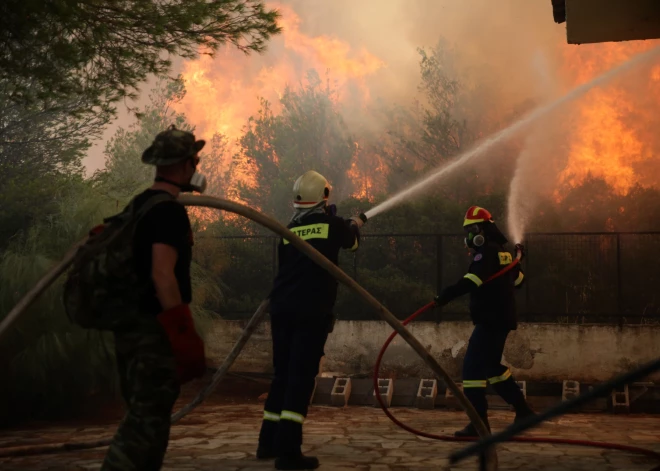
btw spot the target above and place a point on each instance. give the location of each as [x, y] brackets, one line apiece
[462, 287]
[349, 234]
[164, 259]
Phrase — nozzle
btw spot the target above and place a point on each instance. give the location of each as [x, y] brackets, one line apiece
[363, 217]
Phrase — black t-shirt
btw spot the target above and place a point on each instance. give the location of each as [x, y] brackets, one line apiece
[493, 303]
[301, 286]
[165, 223]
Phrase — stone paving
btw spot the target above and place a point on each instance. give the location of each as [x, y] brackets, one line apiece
[223, 438]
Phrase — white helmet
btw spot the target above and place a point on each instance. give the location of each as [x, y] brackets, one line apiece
[310, 189]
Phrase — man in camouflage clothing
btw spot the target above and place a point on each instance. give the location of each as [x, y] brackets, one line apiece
[161, 350]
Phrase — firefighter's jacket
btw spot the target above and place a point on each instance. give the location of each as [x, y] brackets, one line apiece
[492, 303]
[302, 286]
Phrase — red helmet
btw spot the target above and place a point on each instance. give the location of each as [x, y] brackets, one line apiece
[475, 215]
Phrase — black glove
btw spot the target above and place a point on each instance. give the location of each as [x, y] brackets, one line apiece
[437, 301]
[521, 248]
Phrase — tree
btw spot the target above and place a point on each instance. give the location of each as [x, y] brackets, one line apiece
[124, 174]
[102, 50]
[308, 134]
[41, 149]
[443, 130]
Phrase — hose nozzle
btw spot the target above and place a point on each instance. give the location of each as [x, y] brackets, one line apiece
[520, 249]
[359, 220]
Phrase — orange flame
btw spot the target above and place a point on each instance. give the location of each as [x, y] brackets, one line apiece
[610, 138]
[222, 93]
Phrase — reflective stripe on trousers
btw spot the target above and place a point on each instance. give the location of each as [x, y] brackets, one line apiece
[498, 379]
[272, 416]
[477, 383]
[292, 416]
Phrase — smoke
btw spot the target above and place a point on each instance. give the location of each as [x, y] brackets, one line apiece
[506, 55]
[486, 35]
[496, 41]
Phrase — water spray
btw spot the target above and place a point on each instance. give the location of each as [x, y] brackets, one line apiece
[509, 132]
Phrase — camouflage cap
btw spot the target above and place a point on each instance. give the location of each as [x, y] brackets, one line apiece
[172, 146]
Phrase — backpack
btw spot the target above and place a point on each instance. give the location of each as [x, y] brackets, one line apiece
[102, 290]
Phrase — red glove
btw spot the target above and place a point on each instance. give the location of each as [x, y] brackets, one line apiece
[187, 345]
[96, 230]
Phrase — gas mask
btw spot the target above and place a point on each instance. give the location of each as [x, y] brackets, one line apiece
[197, 183]
[475, 238]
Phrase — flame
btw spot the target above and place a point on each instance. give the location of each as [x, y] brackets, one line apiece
[610, 138]
[367, 173]
[225, 91]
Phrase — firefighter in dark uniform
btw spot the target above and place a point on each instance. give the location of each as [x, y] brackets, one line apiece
[301, 305]
[493, 312]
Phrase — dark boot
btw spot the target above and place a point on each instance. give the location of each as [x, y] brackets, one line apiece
[266, 449]
[299, 462]
[470, 431]
[266, 453]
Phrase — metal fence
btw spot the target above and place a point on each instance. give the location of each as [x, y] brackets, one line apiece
[607, 278]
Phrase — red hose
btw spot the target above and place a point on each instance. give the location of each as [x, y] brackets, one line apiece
[451, 438]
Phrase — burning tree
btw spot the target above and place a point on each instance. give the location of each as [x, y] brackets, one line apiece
[276, 149]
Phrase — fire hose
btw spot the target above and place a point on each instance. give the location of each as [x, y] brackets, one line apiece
[489, 457]
[509, 434]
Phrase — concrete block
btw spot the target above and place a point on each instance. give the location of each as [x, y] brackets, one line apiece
[426, 394]
[570, 389]
[405, 393]
[323, 390]
[639, 389]
[620, 400]
[341, 391]
[386, 389]
[598, 404]
[361, 392]
[450, 399]
[316, 380]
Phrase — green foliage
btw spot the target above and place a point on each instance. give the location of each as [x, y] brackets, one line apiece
[443, 130]
[593, 206]
[103, 50]
[48, 364]
[41, 148]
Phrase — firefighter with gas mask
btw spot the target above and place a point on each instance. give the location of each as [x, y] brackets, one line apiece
[301, 305]
[493, 313]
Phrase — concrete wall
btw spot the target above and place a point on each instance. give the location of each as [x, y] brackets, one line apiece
[535, 352]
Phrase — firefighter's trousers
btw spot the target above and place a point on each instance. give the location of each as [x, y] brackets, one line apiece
[298, 343]
[482, 365]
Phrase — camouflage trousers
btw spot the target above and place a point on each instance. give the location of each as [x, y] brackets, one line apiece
[149, 386]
